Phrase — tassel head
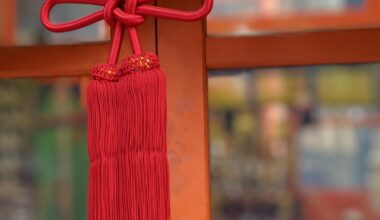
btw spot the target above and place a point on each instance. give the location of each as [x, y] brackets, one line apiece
[107, 72]
[143, 62]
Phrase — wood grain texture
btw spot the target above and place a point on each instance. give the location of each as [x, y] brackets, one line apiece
[181, 49]
[294, 49]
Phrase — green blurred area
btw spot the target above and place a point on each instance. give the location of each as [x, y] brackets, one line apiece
[48, 173]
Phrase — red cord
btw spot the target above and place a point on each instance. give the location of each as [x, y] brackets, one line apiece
[131, 15]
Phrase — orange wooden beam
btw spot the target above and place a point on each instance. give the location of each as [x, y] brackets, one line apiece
[65, 60]
[7, 22]
[294, 49]
[51, 61]
[309, 48]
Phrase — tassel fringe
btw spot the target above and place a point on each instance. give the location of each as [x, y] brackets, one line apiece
[129, 178]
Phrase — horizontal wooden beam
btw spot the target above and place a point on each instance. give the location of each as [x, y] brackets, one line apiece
[276, 50]
[66, 60]
[51, 61]
[294, 49]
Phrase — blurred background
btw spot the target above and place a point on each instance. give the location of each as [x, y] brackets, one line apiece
[247, 17]
[43, 122]
[295, 143]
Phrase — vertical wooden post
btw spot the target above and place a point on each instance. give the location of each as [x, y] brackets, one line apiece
[372, 8]
[7, 22]
[181, 48]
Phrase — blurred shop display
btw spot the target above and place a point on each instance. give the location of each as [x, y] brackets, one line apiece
[42, 125]
[251, 17]
[21, 25]
[256, 8]
[295, 143]
[16, 122]
[42, 145]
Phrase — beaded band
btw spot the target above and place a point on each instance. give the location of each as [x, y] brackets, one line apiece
[107, 72]
[143, 62]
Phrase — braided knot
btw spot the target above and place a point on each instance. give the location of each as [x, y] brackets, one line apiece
[118, 11]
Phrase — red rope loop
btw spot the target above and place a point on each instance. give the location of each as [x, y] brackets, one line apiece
[110, 6]
[118, 15]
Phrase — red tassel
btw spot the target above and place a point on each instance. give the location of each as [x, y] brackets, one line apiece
[129, 177]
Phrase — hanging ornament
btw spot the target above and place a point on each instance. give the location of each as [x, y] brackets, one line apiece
[129, 177]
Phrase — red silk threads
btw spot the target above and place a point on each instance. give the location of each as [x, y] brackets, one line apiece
[129, 177]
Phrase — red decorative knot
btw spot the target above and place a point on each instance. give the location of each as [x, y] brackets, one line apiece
[113, 12]
[143, 62]
[107, 72]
